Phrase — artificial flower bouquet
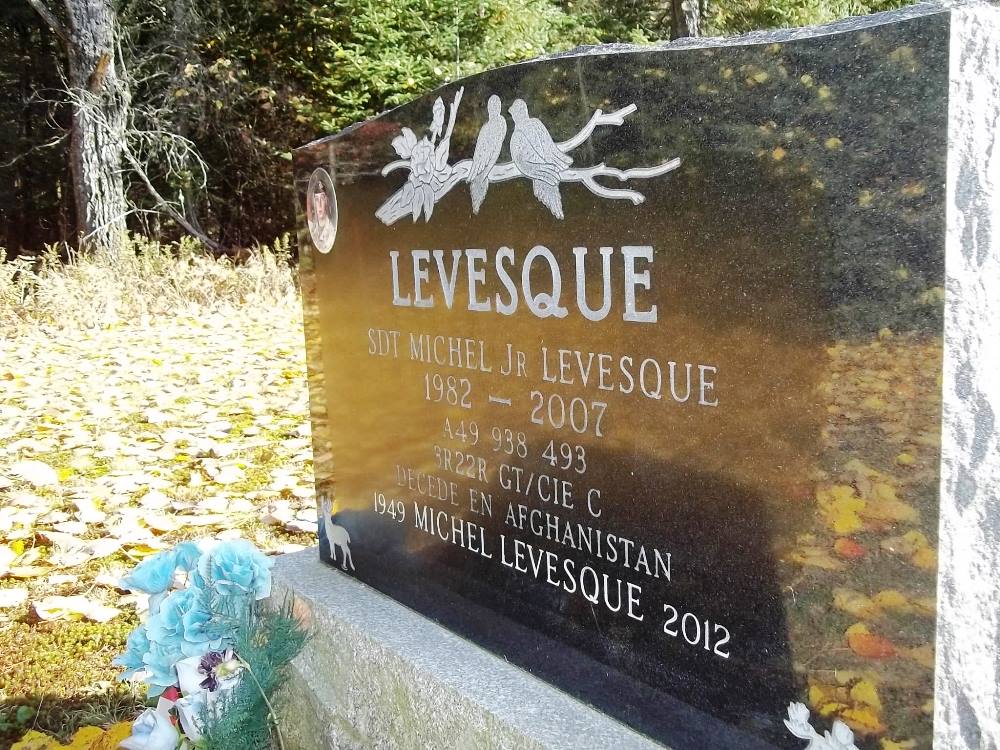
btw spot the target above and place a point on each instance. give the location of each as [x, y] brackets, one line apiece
[209, 651]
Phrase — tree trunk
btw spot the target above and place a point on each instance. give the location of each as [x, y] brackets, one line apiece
[685, 18]
[101, 101]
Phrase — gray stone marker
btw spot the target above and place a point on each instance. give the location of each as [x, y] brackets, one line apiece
[538, 541]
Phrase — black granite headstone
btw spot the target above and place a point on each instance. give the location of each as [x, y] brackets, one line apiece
[625, 364]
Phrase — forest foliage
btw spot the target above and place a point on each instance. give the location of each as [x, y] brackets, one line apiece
[243, 82]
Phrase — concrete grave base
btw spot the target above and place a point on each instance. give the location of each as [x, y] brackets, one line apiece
[378, 675]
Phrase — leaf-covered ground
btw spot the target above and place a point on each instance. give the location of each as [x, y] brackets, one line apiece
[117, 442]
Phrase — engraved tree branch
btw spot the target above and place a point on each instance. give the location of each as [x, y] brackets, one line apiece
[586, 176]
[598, 118]
[400, 203]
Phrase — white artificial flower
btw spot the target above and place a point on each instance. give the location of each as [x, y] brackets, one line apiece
[152, 731]
[189, 709]
[188, 677]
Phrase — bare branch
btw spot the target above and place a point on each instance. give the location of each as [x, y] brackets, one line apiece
[50, 20]
[167, 207]
[41, 146]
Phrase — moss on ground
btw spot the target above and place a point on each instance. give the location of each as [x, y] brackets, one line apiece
[58, 676]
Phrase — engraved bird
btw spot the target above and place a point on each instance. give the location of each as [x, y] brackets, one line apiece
[537, 157]
[488, 147]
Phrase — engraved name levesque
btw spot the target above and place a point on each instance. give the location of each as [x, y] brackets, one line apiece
[534, 155]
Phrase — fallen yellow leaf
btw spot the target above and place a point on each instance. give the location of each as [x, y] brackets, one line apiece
[892, 600]
[922, 655]
[86, 738]
[925, 558]
[816, 557]
[826, 710]
[841, 506]
[863, 721]
[895, 511]
[35, 740]
[864, 691]
[855, 603]
[113, 737]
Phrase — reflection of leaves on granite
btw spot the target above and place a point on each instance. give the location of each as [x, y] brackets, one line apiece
[854, 140]
[864, 575]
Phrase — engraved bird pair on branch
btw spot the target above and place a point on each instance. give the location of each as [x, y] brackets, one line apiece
[534, 155]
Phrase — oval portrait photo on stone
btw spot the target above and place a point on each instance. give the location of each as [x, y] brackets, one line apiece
[321, 210]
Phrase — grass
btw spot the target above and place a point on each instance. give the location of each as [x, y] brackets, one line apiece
[149, 279]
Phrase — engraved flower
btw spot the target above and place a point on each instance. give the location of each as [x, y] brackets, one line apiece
[798, 722]
[840, 737]
[422, 161]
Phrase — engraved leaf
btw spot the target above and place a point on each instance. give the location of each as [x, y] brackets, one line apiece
[403, 144]
[441, 156]
[437, 123]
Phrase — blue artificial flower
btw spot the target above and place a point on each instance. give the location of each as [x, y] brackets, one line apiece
[183, 624]
[187, 554]
[154, 575]
[136, 647]
[160, 670]
[236, 568]
[201, 632]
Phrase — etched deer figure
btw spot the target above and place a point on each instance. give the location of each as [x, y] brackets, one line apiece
[336, 536]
